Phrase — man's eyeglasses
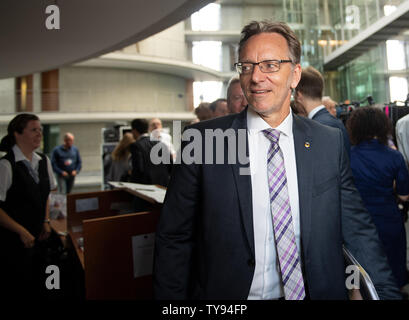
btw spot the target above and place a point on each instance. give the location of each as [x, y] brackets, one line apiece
[267, 66]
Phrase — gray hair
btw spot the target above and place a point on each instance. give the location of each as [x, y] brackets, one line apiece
[265, 26]
[233, 80]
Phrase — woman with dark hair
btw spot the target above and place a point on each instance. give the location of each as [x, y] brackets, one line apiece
[26, 180]
[380, 176]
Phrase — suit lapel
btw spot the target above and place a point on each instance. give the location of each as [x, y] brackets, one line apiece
[243, 182]
[303, 145]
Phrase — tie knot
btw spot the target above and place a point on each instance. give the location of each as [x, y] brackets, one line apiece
[272, 134]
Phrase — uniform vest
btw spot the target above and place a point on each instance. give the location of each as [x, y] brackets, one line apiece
[26, 200]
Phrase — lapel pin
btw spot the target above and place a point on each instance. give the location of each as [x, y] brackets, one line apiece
[307, 144]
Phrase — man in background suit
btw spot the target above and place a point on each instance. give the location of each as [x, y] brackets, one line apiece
[308, 95]
[144, 170]
[271, 227]
[330, 105]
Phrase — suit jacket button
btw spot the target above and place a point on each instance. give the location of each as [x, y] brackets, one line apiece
[251, 262]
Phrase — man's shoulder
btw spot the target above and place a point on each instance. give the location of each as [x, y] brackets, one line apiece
[330, 121]
[143, 143]
[326, 118]
[313, 124]
[315, 129]
[223, 123]
[57, 148]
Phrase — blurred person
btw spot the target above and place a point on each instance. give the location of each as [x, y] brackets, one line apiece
[120, 160]
[66, 162]
[158, 134]
[26, 181]
[308, 96]
[226, 229]
[203, 112]
[402, 137]
[298, 109]
[330, 105]
[236, 101]
[144, 170]
[219, 108]
[380, 176]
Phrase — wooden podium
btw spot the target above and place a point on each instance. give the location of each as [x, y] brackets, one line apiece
[113, 244]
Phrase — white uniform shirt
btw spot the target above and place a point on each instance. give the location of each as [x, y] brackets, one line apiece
[402, 137]
[6, 174]
[266, 281]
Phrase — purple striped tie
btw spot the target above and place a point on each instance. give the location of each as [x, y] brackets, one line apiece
[290, 266]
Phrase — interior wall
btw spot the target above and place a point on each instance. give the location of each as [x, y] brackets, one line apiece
[105, 90]
[7, 95]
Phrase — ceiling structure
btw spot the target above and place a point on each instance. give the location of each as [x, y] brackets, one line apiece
[87, 28]
[383, 29]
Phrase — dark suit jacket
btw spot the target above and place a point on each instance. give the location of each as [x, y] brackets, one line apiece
[204, 245]
[324, 117]
[143, 169]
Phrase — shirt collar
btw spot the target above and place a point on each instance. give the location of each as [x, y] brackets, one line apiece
[255, 123]
[143, 135]
[19, 155]
[314, 111]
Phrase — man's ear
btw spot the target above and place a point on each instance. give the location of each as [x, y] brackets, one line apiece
[296, 76]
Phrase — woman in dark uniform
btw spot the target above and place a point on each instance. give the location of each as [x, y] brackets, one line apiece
[26, 180]
[381, 176]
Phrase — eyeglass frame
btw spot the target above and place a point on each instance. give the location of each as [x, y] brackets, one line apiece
[258, 63]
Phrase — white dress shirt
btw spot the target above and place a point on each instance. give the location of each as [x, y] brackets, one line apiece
[402, 137]
[267, 276]
[6, 174]
[314, 111]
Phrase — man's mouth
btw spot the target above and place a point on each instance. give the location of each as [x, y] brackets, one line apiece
[260, 91]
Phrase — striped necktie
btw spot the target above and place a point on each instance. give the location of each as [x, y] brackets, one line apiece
[289, 260]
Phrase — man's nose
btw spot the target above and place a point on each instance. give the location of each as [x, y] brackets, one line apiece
[256, 74]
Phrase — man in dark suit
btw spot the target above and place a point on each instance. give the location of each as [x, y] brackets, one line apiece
[145, 169]
[308, 95]
[272, 225]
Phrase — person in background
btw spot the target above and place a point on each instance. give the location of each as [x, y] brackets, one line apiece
[26, 181]
[158, 134]
[144, 169]
[402, 137]
[120, 160]
[380, 176]
[298, 109]
[219, 108]
[330, 105]
[308, 96]
[203, 111]
[236, 101]
[66, 161]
